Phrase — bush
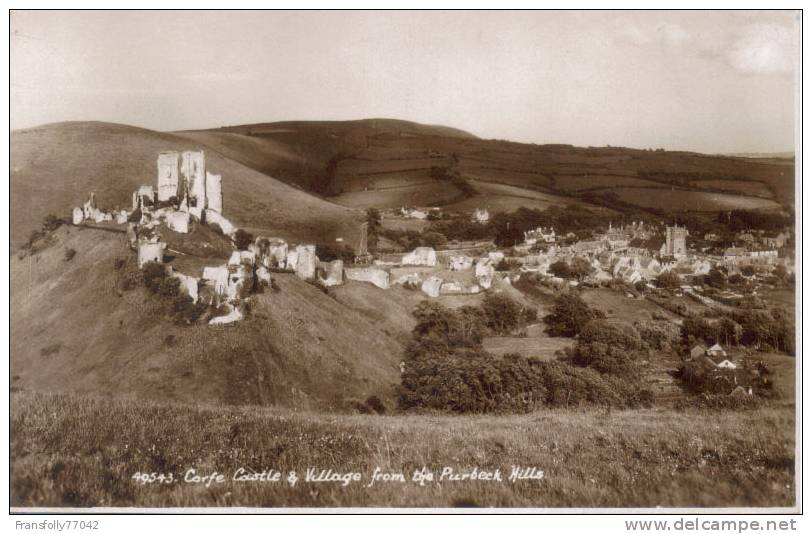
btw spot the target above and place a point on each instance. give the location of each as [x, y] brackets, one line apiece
[186, 310]
[376, 404]
[51, 223]
[242, 239]
[69, 254]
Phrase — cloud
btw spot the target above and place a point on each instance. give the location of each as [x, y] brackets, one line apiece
[763, 48]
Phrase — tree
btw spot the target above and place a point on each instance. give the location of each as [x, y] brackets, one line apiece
[373, 228]
[433, 239]
[502, 313]
[696, 328]
[560, 269]
[242, 239]
[580, 268]
[730, 331]
[668, 280]
[716, 278]
[570, 314]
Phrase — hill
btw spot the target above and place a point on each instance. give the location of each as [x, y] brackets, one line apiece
[54, 167]
[73, 328]
[388, 163]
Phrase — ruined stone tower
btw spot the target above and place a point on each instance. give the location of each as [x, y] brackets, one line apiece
[193, 171]
[214, 192]
[168, 180]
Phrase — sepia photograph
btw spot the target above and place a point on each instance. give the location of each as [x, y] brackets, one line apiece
[428, 261]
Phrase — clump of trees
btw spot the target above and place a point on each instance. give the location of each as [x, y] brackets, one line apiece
[668, 280]
[447, 368]
[569, 316]
[578, 268]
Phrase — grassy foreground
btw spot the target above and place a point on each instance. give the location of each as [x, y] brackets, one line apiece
[82, 451]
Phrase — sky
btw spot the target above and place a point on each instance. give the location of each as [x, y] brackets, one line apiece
[710, 81]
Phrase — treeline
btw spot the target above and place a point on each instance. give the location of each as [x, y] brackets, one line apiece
[759, 329]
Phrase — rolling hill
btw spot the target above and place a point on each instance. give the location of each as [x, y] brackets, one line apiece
[387, 163]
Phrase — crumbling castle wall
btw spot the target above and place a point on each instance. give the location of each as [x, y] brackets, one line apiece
[214, 217]
[421, 256]
[431, 286]
[150, 251]
[377, 277]
[178, 221]
[188, 284]
[306, 262]
[333, 273]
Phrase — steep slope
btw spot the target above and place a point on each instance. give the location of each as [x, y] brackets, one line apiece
[75, 329]
[54, 167]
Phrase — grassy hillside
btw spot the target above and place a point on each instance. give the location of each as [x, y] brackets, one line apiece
[54, 167]
[388, 164]
[83, 451]
[74, 329]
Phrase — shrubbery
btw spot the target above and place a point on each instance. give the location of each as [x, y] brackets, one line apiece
[447, 369]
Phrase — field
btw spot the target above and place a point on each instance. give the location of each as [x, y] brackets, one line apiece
[499, 198]
[82, 451]
[424, 194]
[617, 306]
[537, 344]
[683, 200]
